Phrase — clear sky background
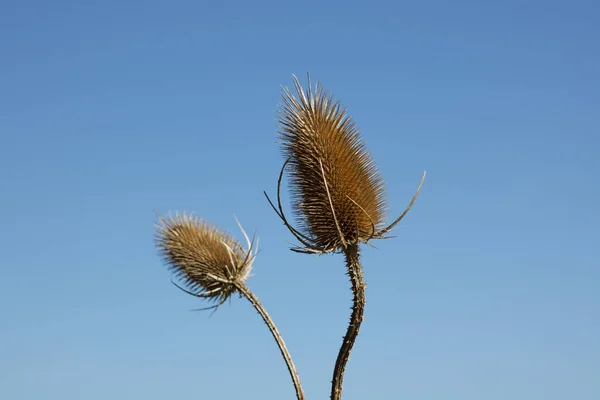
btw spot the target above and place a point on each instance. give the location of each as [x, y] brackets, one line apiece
[112, 110]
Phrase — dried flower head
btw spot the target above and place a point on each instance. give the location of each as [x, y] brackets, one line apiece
[210, 263]
[337, 193]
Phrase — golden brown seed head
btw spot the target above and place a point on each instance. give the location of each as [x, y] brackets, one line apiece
[209, 261]
[333, 178]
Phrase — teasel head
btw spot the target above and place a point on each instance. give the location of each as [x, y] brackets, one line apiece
[209, 262]
[337, 193]
[213, 265]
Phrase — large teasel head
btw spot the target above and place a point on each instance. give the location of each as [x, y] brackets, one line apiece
[338, 195]
[209, 262]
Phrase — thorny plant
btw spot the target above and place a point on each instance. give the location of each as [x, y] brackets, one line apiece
[338, 198]
[337, 194]
[214, 266]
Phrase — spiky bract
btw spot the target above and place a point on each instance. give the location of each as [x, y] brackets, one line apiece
[338, 195]
[209, 262]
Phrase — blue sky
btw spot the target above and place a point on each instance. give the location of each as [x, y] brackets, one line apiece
[111, 110]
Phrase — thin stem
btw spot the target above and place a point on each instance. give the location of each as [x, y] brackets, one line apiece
[358, 308]
[244, 290]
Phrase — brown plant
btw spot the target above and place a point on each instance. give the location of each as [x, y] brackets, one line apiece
[213, 265]
[337, 193]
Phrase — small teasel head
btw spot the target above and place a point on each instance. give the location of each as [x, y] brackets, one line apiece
[337, 193]
[209, 262]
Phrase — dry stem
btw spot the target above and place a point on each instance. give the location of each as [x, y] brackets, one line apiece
[244, 290]
[358, 289]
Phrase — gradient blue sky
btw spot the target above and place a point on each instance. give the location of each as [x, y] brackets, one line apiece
[111, 110]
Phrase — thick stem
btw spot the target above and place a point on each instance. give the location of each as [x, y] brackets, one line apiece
[358, 308]
[244, 290]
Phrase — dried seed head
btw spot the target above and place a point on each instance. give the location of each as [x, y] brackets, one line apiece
[208, 261]
[338, 195]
